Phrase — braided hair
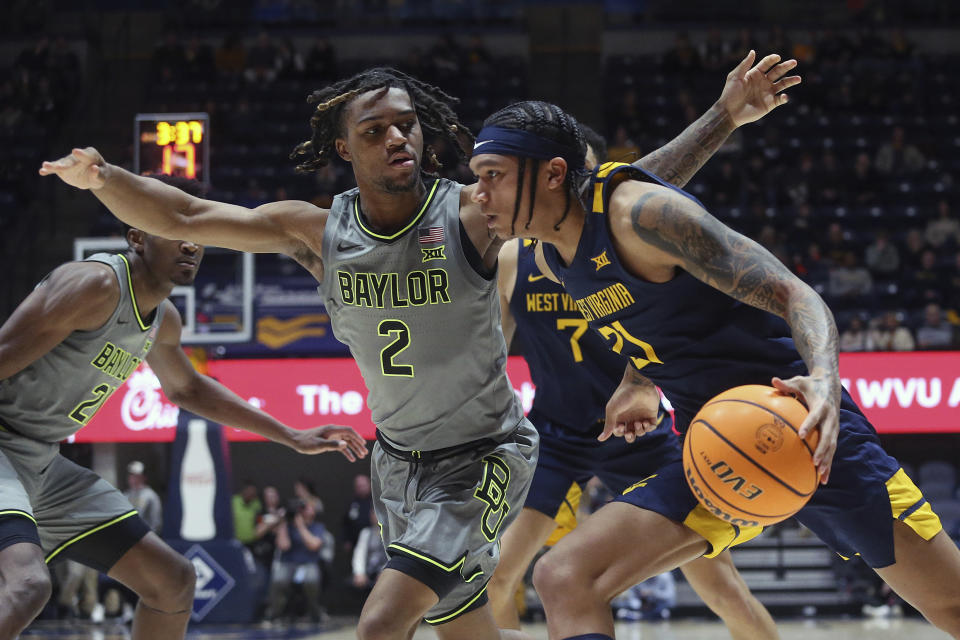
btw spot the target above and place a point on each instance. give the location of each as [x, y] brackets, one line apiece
[553, 123]
[434, 110]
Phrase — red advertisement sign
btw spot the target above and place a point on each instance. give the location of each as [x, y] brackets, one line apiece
[900, 393]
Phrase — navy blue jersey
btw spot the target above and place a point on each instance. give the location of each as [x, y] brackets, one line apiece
[574, 371]
[690, 339]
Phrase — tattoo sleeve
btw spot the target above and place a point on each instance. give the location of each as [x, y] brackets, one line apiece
[739, 267]
[678, 160]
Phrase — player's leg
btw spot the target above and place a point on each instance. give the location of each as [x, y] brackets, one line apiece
[927, 575]
[164, 580]
[85, 519]
[617, 547]
[478, 624]
[518, 546]
[24, 582]
[395, 607]
[721, 587]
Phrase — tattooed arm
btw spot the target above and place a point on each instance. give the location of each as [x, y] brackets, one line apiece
[748, 95]
[656, 229]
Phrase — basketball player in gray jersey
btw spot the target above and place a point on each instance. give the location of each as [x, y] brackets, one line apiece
[63, 352]
[406, 264]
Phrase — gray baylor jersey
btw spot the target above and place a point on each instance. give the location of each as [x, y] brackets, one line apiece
[56, 395]
[422, 324]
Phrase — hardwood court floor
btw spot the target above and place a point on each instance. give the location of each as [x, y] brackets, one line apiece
[809, 629]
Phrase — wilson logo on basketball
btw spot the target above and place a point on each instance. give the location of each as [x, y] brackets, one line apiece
[769, 437]
[727, 476]
[708, 504]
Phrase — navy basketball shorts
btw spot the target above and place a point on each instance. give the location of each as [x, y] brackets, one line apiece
[568, 457]
[852, 514]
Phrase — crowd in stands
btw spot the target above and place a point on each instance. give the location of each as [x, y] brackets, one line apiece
[852, 185]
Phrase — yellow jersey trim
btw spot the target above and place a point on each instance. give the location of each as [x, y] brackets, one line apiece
[133, 296]
[18, 512]
[83, 535]
[434, 562]
[719, 534]
[910, 507]
[460, 610]
[409, 225]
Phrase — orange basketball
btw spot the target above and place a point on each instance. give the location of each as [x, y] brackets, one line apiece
[743, 459]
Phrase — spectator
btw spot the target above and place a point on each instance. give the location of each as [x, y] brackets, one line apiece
[142, 497]
[890, 335]
[944, 228]
[898, 156]
[231, 57]
[854, 337]
[261, 61]
[924, 285]
[369, 556]
[863, 182]
[683, 59]
[198, 61]
[622, 148]
[357, 516]
[726, 185]
[936, 332]
[304, 490]
[715, 51]
[246, 510]
[914, 246]
[883, 258]
[837, 244]
[299, 539]
[848, 279]
[652, 599]
[321, 61]
[268, 520]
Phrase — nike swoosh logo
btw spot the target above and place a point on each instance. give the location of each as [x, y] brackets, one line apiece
[533, 278]
[346, 247]
[480, 144]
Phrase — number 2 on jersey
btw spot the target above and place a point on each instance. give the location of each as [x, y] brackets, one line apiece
[401, 334]
[88, 408]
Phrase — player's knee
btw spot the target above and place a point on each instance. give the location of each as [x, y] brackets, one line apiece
[29, 591]
[172, 590]
[555, 578]
[376, 625]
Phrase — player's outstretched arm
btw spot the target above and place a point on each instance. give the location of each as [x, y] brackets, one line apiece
[634, 408]
[749, 93]
[665, 230]
[168, 212]
[78, 296]
[206, 397]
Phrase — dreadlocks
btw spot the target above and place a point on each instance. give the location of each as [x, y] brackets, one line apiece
[553, 123]
[433, 107]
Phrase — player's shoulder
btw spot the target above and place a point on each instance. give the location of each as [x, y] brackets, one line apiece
[91, 279]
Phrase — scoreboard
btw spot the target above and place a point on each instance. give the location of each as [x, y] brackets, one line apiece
[173, 144]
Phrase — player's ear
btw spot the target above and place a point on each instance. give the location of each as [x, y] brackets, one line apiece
[136, 239]
[342, 150]
[556, 173]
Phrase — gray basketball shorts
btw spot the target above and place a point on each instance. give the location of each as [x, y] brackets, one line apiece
[441, 520]
[77, 514]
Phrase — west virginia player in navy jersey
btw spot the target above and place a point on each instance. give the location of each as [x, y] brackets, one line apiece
[689, 295]
[575, 375]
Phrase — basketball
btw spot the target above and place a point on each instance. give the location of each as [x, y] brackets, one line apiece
[744, 460]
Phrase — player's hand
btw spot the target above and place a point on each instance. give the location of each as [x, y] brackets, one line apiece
[751, 93]
[632, 411]
[330, 438]
[821, 395]
[82, 169]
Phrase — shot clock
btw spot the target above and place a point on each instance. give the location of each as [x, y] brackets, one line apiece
[173, 144]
